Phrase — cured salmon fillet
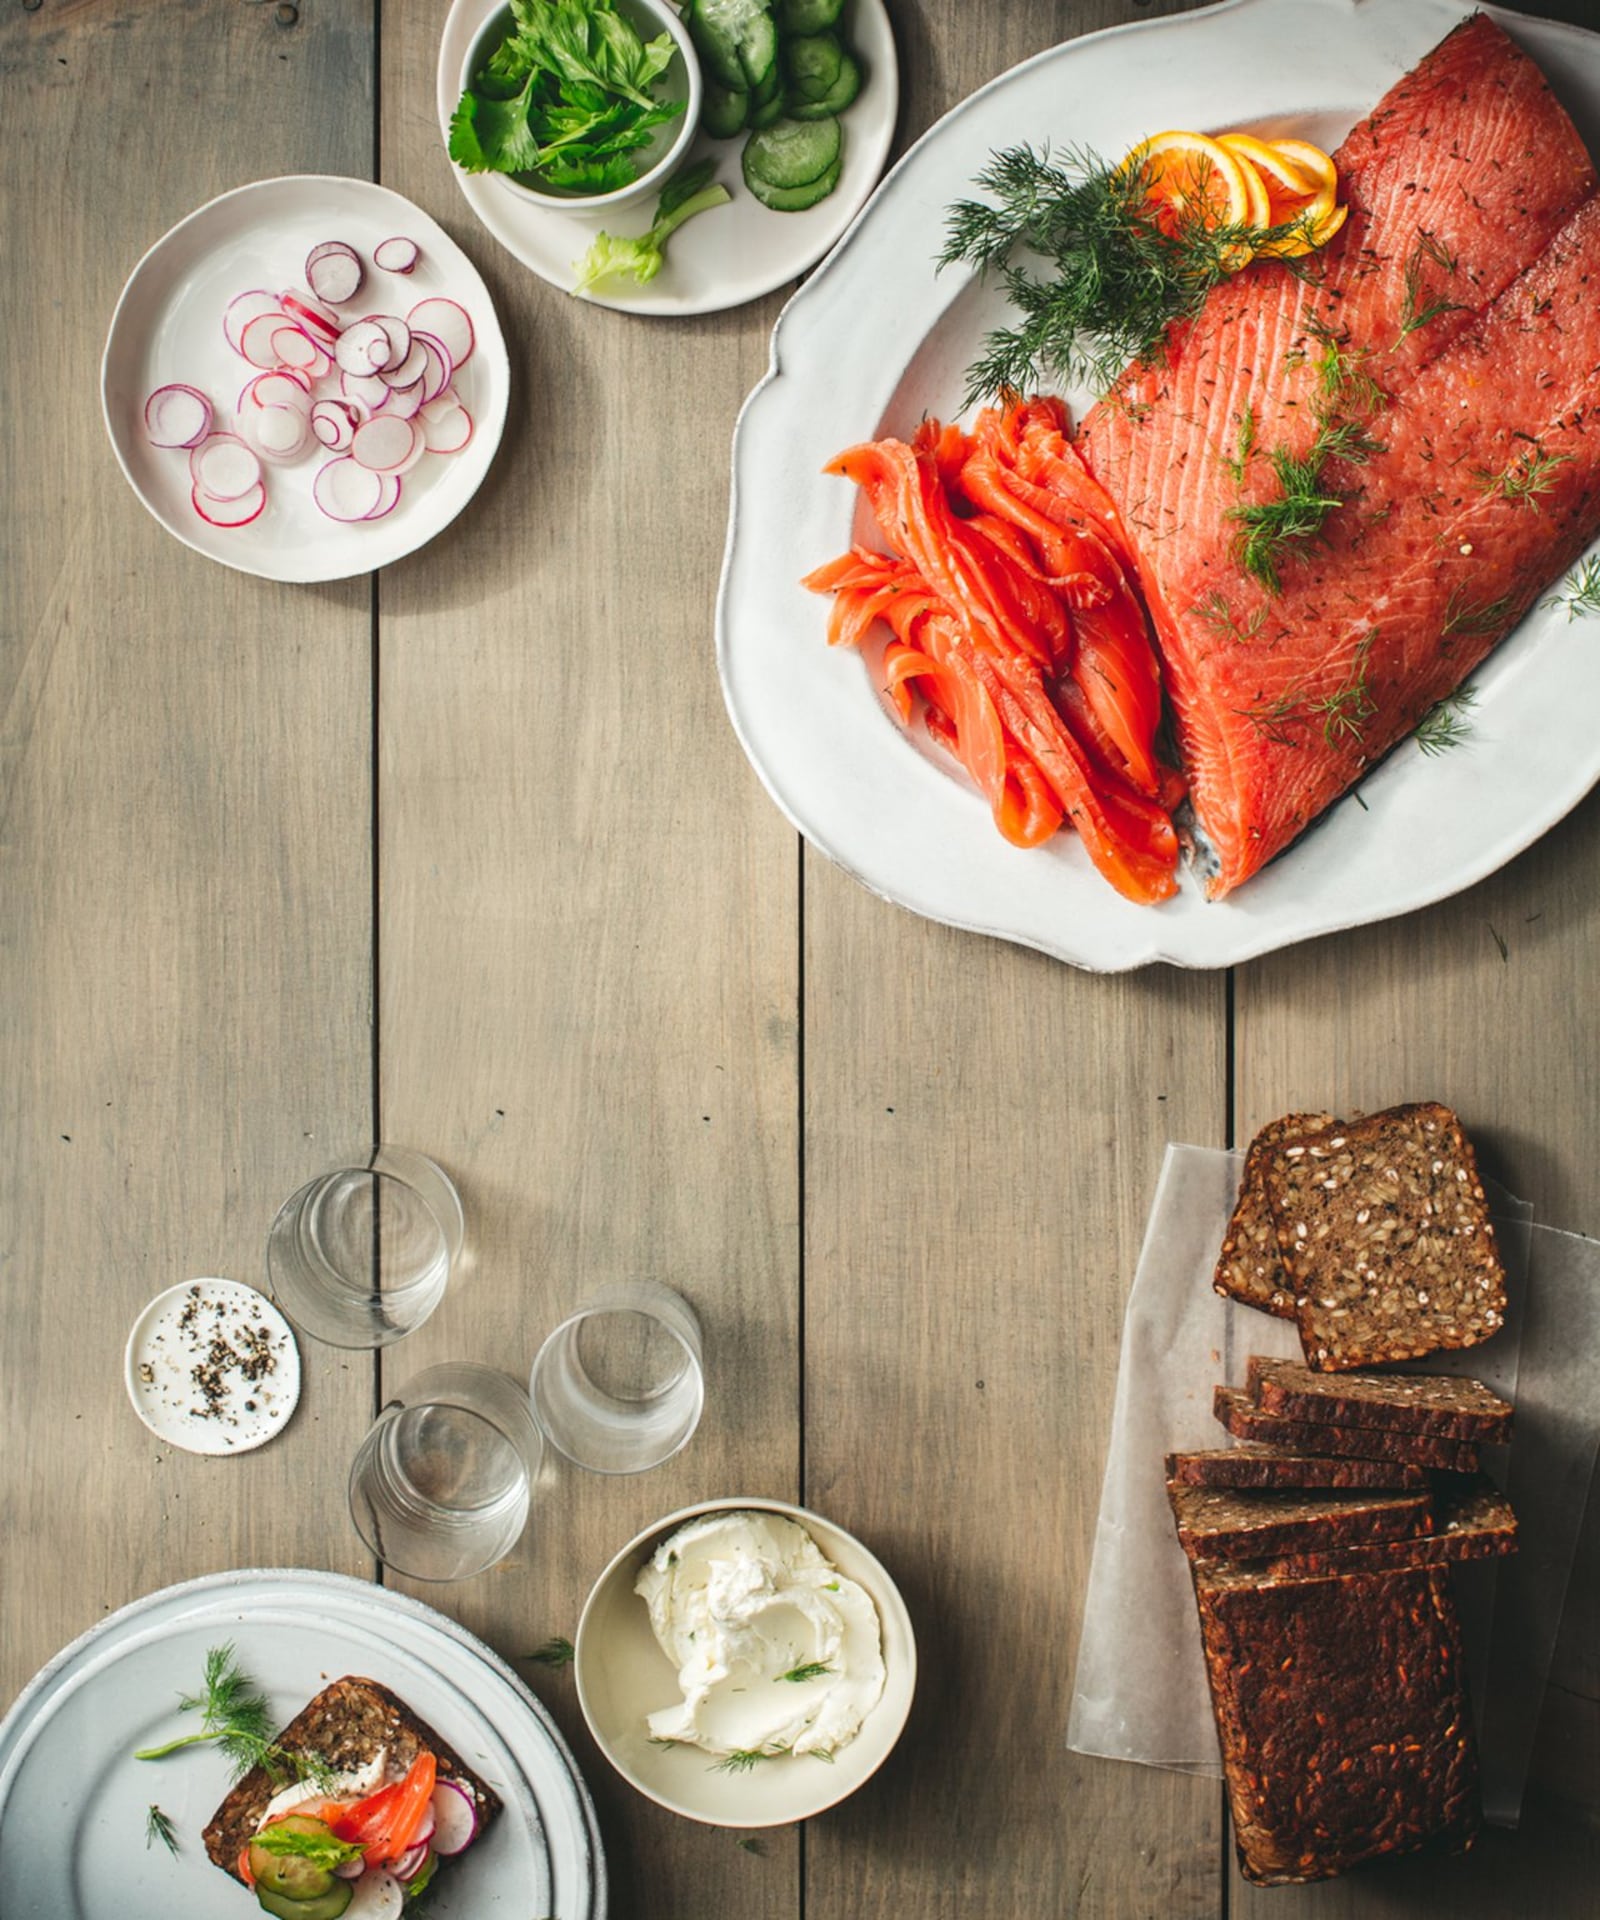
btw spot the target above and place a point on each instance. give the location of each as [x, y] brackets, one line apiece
[1458, 182]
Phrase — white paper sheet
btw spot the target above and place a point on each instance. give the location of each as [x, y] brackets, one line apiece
[1140, 1688]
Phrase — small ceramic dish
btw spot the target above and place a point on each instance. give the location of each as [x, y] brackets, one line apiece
[623, 1676]
[669, 142]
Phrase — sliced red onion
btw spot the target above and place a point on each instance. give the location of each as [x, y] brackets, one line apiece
[363, 348]
[334, 272]
[345, 490]
[449, 322]
[334, 422]
[177, 416]
[223, 467]
[398, 255]
[383, 442]
[230, 513]
[455, 1819]
[321, 322]
[244, 308]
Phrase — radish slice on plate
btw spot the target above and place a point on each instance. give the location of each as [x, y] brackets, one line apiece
[383, 442]
[257, 340]
[177, 416]
[455, 1819]
[449, 323]
[334, 423]
[399, 341]
[410, 1863]
[378, 1896]
[223, 467]
[446, 425]
[405, 403]
[295, 347]
[280, 388]
[230, 513]
[278, 433]
[334, 272]
[388, 499]
[244, 308]
[321, 322]
[439, 370]
[410, 370]
[363, 348]
[346, 490]
[398, 255]
[372, 392]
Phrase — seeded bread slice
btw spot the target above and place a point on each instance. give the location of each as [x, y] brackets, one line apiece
[1225, 1523]
[1342, 1715]
[1474, 1524]
[1246, 1421]
[345, 1725]
[1249, 1268]
[1437, 1404]
[1385, 1237]
[1255, 1464]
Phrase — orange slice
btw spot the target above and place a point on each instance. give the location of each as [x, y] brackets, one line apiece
[1189, 174]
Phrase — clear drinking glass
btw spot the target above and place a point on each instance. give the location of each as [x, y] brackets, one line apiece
[440, 1487]
[359, 1257]
[618, 1387]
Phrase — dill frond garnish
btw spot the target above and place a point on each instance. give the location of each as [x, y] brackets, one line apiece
[1461, 615]
[1579, 593]
[1303, 501]
[1419, 305]
[234, 1713]
[1244, 445]
[1216, 612]
[811, 1670]
[1445, 724]
[556, 1652]
[1114, 278]
[1531, 473]
[158, 1826]
[1340, 715]
[746, 1759]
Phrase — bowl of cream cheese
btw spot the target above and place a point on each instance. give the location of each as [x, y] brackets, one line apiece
[745, 1663]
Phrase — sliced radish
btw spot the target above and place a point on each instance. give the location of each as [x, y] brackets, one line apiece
[244, 308]
[410, 370]
[405, 403]
[410, 1863]
[334, 422]
[352, 1869]
[277, 433]
[281, 388]
[321, 322]
[334, 272]
[230, 513]
[398, 255]
[346, 490]
[363, 348]
[445, 427]
[440, 368]
[378, 1896]
[224, 467]
[418, 453]
[455, 1819]
[295, 347]
[388, 499]
[399, 340]
[177, 416]
[257, 340]
[447, 321]
[383, 442]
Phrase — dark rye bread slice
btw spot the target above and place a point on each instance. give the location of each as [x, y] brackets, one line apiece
[1256, 1464]
[1385, 1237]
[1431, 1403]
[1342, 1716]
[1228, 1523]
[1249, 1268]
[344, 1725]
[1474, 1524]
[1246, 1421]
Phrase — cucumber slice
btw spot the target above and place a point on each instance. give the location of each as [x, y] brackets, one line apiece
[806, 16]
[722, 109]
[791, 153]
[326, 1906]
[763, 112]
[770, 88]
[811, 63]
[736, 39]
[795, 199]
[838, 97]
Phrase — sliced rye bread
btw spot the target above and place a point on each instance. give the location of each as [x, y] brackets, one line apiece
[1472, 1525]
[344, 1725]
[1385, 1236]
[1342, 1716]
[1249, 1268]
[1254, 1463]
[1227, 1523]
[1427, 1403]
[1246, 1421]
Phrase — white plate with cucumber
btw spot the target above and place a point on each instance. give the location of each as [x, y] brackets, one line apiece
[737, 252]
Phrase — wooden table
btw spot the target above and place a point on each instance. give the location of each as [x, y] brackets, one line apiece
[465, 855]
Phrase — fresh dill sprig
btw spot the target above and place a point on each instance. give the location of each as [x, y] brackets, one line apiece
[1343, 380]
[1531, 473]
[1462, 616]
[1342, 713]
[1579, 593]
[1445, 724]
[1115, 277]
[746, 1759]
[809, 1670]
[158, 1826]
[1244, 445]
[1304, 500]
[556, 1652]
[1216, 612]
[234, 1713]
[1419, 306]
[748, 1843]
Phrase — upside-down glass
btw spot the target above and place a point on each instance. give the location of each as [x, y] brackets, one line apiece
[618, 1386]
[440, 1487]
[359, 1257]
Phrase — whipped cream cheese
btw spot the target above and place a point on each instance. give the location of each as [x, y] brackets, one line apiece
[351, 1786]
[776, 1651]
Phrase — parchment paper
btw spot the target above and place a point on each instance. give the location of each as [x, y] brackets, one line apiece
[1140, 1691]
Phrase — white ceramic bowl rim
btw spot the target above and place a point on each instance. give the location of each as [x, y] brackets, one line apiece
[655, 175]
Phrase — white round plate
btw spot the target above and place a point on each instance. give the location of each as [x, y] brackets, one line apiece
[877, 338]
[173, 1337]
[168, 327]
[722, 258]
[74, 1802]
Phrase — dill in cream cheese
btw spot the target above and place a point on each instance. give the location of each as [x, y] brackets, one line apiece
[776, 1651]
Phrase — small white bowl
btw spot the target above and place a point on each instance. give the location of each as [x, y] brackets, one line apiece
[669, 142]
[623, 1676]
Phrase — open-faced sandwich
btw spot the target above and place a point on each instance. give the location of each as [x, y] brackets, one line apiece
[370, 1803]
